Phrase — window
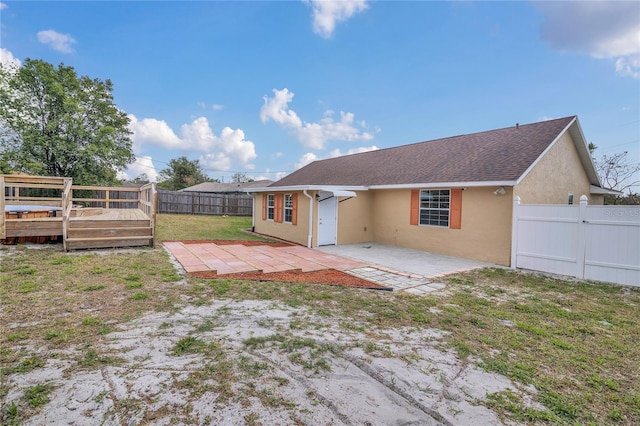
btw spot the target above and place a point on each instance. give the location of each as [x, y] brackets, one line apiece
[271, 206]
[434, 207]
[288, 208]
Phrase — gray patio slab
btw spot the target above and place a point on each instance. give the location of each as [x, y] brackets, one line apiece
[400, 259]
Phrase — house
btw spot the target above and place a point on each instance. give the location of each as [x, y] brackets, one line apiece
[452, 196]
[226, 188]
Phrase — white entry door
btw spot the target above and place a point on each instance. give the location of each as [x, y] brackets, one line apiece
[327, 219]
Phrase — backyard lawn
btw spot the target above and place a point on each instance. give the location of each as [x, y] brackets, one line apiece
[570, 348]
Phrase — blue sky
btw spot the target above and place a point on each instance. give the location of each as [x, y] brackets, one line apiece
[266, 87]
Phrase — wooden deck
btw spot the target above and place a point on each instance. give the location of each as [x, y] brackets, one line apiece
[78, 227]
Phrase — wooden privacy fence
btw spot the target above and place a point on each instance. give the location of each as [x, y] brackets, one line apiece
[599, 243]
[230, 204]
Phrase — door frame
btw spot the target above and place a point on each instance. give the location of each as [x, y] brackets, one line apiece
[328, 200]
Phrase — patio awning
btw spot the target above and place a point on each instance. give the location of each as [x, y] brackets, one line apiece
[340, 192]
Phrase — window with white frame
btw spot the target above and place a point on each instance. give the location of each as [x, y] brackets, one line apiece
[434, 207]
[288, 208]
[271, 206]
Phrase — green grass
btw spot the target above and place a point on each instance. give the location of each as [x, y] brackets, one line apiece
[189, 345]
[38, 395]
[201, 227]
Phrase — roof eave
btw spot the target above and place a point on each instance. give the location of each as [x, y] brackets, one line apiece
[583, 151]
[308, 188]
[598, 190]
[575, 131]
[446, 184]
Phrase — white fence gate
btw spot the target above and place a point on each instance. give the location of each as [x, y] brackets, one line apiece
[599, 243]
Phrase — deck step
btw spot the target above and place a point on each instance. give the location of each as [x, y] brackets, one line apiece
[105, 242]
[88, 223]
[137, 231]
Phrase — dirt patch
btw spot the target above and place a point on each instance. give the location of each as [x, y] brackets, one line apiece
[258, 362]
[327, 276]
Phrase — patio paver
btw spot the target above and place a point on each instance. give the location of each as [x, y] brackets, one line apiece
[237, 258]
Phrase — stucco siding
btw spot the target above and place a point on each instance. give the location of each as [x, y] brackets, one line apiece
[485, 232]
[286, 231]
[556, 175]
[354, 219]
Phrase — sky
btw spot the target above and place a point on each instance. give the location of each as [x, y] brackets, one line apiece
[265, 87]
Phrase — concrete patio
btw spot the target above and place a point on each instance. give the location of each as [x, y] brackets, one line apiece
[397, 268]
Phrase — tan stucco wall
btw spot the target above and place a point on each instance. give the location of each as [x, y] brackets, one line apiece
[555, 176]
[594, 199]
[485, 233]
[286, 231]
[354, 219]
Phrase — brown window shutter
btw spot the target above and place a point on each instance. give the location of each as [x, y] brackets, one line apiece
[279, 207]
[415, 207]
[294, 209]
[455, 209]
[264, 206]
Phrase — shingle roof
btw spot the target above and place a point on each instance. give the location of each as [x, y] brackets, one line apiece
[227, 187]
[495, 155]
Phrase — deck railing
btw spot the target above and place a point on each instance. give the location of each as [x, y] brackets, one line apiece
[28, 191]
[66, 211]
[148, 203]
[60, 192]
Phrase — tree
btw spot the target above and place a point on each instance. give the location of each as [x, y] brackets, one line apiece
[182, 173]
[617, 172]
[54, 123]
[141, 178]
[240, 178]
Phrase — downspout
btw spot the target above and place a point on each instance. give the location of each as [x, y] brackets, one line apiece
[253, 211]
[310, 236]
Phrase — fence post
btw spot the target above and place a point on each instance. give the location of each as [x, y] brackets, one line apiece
[514, 231]
[582, 237]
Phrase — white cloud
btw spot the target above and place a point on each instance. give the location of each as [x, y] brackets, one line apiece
[311, 135]
[218, 152]
[8, 60]
[601, 29]
[277, 109]
[150, 131]
[307, 158]
[60, 42]
[215, 107]
[629, 66]
[141, 165]
[215, 161]
[3, 6]
[337, 153]
[327, 13]
[310, 157]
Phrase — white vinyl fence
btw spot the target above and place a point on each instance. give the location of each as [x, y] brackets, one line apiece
[599, 243]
